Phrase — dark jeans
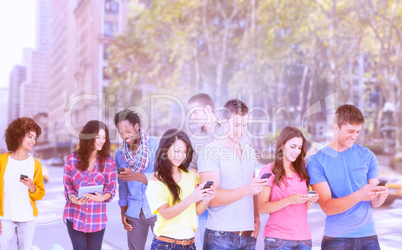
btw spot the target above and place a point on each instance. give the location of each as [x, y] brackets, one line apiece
[85, 241]
[369, 243]
[227, 240]
[158, 244]
[275, 243]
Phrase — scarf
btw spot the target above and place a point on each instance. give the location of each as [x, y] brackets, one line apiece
[139, 160]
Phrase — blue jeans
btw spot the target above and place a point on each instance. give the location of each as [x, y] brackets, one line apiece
[85, 241]
[17, 235]
[202, 221]
[275, 243]
[227, 240]
[158, 244]
[370, 242]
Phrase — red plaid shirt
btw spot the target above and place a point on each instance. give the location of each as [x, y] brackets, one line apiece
[90, 217]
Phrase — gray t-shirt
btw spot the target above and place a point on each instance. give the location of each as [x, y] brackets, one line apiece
[234, 173]
[199, 139]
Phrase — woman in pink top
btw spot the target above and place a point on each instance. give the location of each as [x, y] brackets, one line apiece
[285, 198]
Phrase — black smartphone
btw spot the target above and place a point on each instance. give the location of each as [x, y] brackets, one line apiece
[382, 183]
[22, 176]
[266, 175]
[311, 193]
[119, 170]
[208, 184]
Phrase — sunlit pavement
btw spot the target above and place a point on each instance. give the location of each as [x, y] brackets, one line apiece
[51, 232]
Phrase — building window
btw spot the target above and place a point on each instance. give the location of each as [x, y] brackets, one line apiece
[111, 7]
[111, 28]
[106, 53]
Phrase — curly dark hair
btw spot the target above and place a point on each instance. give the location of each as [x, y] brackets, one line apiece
[299, 164]
[163, 166]
[86, 145]
[128, 115]
[16, 131]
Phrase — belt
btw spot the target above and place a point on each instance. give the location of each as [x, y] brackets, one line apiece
[174, 241]
[243, 233]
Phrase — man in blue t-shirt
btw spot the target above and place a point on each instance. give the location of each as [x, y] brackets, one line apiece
[345, 176]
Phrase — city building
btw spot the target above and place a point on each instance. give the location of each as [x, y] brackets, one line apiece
[81, 31]
[4, 112]
[17, 78]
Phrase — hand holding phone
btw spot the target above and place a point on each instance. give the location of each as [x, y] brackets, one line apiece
[266, 175]
[311, 193]
[22, 177]
[382, 183]
[208, 184]
[119, 170]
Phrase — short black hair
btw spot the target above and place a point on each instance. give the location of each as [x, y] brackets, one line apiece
[128, 115]
[234, 106]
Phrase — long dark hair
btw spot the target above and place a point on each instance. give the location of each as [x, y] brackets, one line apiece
[299, 164]
[86, 145]
[163, 166]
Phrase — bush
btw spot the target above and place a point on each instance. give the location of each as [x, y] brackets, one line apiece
[397, 157]
[376, 148]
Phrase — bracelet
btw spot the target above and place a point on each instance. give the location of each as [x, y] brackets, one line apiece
[70, 196]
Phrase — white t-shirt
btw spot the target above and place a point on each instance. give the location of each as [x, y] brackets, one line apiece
[17, 205]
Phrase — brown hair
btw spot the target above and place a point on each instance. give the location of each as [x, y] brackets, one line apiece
[86, 145]
[203, 99]
[17, 130]
[348, 114]
[299, 164]
[234, 106]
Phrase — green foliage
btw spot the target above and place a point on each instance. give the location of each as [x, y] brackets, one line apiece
[259, 49]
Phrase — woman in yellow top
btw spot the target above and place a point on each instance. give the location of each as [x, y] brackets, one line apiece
[21, 184]
[174, 194]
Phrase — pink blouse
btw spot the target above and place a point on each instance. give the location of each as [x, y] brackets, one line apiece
[290, 222]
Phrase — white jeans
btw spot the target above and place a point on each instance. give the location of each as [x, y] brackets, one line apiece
[17, 235]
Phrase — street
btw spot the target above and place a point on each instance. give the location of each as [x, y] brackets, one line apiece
[51, 232]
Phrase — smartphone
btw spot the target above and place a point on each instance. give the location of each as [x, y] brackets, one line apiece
[266, 175]
[311, 193]
[22, 176]
[119, 170]
[208, 184]
[382, 183]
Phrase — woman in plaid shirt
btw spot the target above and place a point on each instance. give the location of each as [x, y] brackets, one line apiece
[90, 165]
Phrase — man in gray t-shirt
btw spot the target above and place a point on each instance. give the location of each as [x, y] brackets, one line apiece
[233, 221]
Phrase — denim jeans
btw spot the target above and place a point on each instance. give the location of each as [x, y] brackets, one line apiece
[202, 223]
[85, 241]
[275, 243]
[158, 244]
[370, 242]
[227, 240]
[17, 235]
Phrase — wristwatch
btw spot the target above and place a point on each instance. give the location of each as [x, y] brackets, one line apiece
[70, 196]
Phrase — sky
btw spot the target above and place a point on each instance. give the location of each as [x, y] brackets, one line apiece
[17, 25]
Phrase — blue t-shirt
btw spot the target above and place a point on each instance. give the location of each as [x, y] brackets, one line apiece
[346, 172]
[132, 194]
